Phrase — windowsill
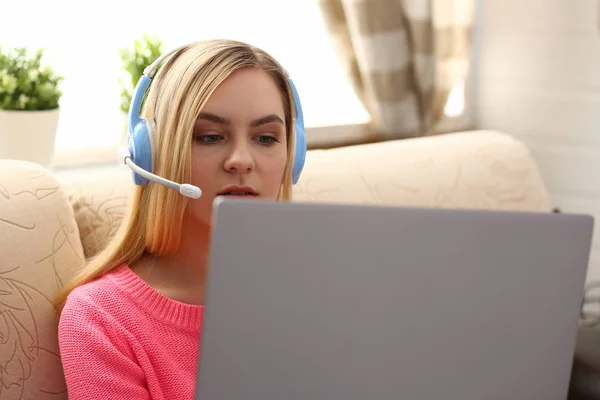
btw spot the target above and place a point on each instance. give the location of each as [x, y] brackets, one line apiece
[86, 157]
[89, 172]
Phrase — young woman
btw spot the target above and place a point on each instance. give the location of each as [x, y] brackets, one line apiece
[130, 322]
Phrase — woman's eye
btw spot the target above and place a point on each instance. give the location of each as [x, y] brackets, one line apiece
[267, 139]
[208, 139]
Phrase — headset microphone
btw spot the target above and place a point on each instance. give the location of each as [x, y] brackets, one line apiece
[185, 189]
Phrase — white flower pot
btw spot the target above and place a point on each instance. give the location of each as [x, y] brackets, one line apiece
[28, 135]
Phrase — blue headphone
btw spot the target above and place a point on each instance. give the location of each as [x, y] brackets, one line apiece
[138, 154]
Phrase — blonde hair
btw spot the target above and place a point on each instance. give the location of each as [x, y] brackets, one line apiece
[176, 96]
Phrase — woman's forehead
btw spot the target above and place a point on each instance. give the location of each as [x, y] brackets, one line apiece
[246, 92]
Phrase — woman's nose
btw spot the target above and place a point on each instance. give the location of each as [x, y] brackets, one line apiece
[240, 159]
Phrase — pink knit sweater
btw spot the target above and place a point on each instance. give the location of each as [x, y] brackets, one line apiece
[121, 339]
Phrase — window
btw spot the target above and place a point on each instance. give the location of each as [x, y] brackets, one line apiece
[82, 41]
[455, 105]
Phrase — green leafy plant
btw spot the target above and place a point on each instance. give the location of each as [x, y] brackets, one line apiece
[25, 83]
[133, 61]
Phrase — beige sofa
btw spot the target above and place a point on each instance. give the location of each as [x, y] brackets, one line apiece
[50, 223]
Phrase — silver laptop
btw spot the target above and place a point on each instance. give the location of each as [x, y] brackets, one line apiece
[327, 302]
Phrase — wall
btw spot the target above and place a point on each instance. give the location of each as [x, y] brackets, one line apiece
[537, 77]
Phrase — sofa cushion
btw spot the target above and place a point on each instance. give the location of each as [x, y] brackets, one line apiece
[477, 169]
[99, 209]
[39, 250]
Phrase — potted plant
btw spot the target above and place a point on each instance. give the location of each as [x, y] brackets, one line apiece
[29, 106]
[133, 61]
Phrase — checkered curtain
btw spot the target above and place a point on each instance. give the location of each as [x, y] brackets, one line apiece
[403, 57]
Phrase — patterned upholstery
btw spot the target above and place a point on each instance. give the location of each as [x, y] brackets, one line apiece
[47, 229]
[480, 169]
[99, 211]
[39, 249]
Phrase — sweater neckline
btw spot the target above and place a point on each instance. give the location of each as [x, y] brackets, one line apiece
[186, 316]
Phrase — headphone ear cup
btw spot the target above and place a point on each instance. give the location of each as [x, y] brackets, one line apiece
[140, 147]
[300, 156]
[140, 142]
[300, 153]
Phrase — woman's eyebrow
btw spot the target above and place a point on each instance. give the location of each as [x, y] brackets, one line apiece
[266, 119]
[257, 122]
[213, 118]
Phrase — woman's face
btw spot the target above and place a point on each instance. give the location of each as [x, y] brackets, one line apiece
[239, 142]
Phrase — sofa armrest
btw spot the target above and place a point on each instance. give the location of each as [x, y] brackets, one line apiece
[39, 250]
